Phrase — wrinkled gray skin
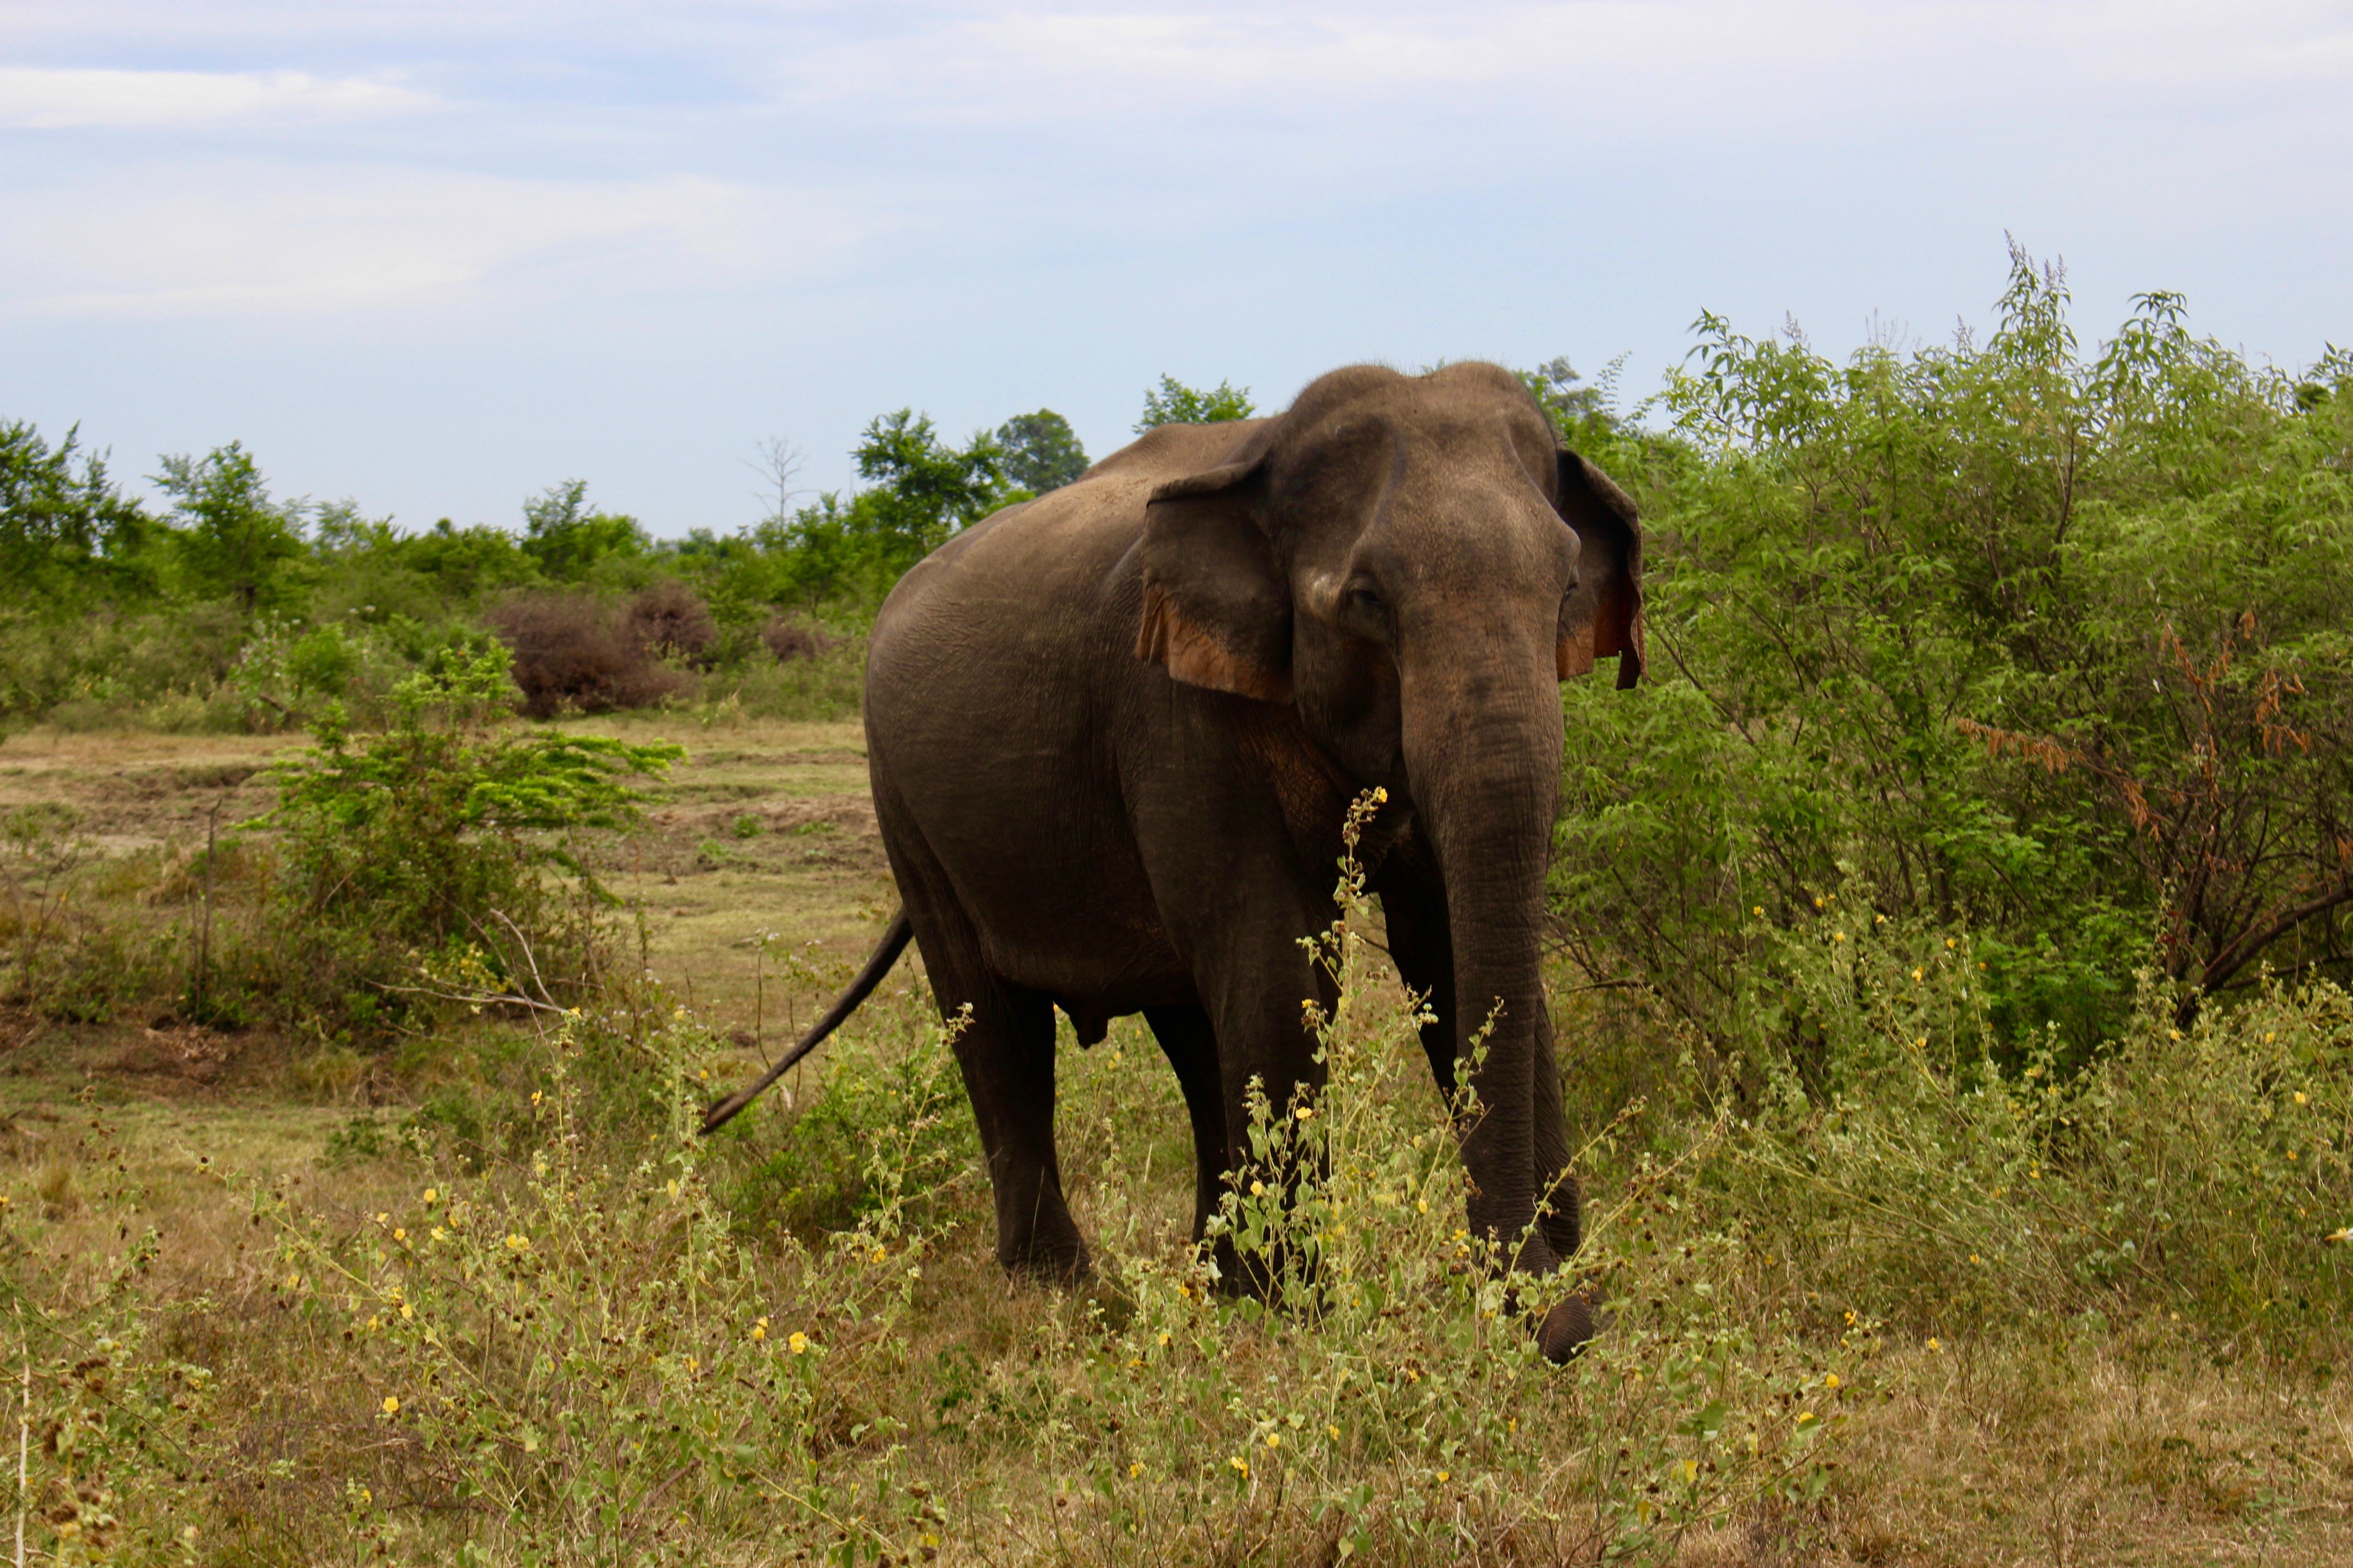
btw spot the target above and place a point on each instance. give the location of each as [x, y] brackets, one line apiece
[1114, 732]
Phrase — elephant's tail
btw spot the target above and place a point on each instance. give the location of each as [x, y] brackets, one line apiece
[886, 953]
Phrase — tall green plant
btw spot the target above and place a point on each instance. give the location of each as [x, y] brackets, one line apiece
[448, 845]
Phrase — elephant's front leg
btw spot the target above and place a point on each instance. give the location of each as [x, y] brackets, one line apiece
[1264, 1045]
[1191, 1047]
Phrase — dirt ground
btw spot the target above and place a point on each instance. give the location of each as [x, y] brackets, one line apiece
[756, 885]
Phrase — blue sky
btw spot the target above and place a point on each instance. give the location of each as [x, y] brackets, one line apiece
[436, 255]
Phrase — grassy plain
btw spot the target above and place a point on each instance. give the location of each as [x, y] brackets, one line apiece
[801, 1349]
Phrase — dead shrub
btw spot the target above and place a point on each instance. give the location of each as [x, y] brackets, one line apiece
[571, 651]
[669, 620]
[790, 639]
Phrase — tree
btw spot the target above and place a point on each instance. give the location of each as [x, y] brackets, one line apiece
[233, 540]
[1174, 402]
[1579, 415]
[63, 533]
[569, 540]
[1042, 451]
[924, 489]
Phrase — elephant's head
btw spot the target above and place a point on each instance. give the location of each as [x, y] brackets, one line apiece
[1414, 563]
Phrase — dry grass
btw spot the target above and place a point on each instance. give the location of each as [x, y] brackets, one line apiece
[959, 1418]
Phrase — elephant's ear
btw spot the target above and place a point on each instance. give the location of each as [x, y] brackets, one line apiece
[1216, 610]
[1603, 614]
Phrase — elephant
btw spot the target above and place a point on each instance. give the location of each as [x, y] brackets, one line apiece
[1114, 732]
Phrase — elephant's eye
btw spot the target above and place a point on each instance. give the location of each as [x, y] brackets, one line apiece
[1364, 600]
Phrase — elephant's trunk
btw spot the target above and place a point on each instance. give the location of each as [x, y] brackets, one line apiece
[1483, 750]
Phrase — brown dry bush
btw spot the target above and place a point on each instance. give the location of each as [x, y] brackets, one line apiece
[790, 639]
[669, 620]
[572, 651]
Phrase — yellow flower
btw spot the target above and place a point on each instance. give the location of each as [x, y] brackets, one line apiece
[398, 1233]
[798, 1343]
[1757, 910]
[1831, 1382]
[1258, 1189]
[1975, 1258]
[391, 1405]
[1837, 936]
[1165, 1338]
[406, 1311]
[1305, 1112]
[1134, 1468]
[1240, 1464]
[440, 1235]
[1817, 903]
[516, 1242]
[760, 1330]
[1444, 1477]
[2299, 1097]
[1915, 976]
[1422, 1205]
[1690, 1468]
[382, 1217]
[1807, 1417]
[431, 1197]
[1274, 1440]
[1334, 1431]
[1381, 794]
[1933, 1344]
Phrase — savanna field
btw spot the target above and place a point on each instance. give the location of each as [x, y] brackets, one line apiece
[1949, 945]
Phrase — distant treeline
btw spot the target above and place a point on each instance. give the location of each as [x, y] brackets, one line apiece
[236, 606]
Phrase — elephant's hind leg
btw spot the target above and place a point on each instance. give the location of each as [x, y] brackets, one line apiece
[1007, 1051]
[1005, 1048]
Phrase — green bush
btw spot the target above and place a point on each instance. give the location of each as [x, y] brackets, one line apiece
[1989, 634]
[439, 858]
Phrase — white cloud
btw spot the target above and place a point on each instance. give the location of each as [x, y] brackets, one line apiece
[1638, 65]
[237, 240]
[42, 98]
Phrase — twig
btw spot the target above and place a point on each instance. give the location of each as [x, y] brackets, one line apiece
[24, 1449]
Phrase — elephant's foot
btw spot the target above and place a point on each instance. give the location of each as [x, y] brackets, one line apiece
[1051, 1264]
[1566, 1330]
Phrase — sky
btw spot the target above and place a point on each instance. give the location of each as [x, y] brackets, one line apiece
[435, 257]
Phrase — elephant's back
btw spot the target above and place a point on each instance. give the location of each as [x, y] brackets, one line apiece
[1035, 583]
[993, 680]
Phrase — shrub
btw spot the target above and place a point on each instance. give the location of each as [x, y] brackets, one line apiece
[1880, 1153]
[669, 620]
[2002, 635]
[570, 652]
[787, 639]
[440, 856]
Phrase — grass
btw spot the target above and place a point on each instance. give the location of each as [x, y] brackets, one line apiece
[1866, 1303]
